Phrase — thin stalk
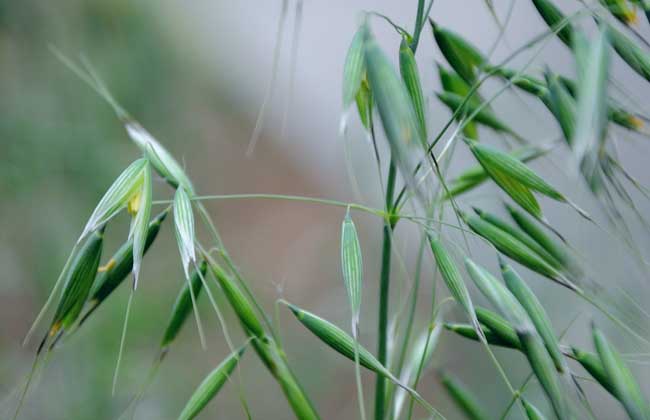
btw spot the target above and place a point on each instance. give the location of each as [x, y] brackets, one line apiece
[420, 18]
[412, 304]
[122, 341]
[357, 373]
[384, 288]
[314, 200]
[274, 75]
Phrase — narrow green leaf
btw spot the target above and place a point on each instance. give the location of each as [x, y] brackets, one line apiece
[210, 386]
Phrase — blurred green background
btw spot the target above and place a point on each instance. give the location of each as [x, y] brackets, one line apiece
[194, 74]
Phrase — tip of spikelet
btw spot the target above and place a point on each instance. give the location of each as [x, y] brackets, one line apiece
[636, 122]
[296, 310]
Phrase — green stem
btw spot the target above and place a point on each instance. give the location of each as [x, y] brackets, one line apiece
[384, 288]
[420, 18]
[412, 304]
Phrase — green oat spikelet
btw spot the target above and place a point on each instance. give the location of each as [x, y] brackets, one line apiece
[463, 398]
[535, 312]
[140, 207]
[555, 19]
[411, 76]
[484, 116]
[532, 412]
[515, 249]
[127, 186]
[352, 267]
[531, 344]
[621, 10]
[398, 117]
[184, 224]
[182, 308]
[591, 110]
[210, 386]
[451, 82]
[239, 302]
[625, 387]
[76, 288]
[476, 175]
[519, 235]
[453, 280]
[118, 267]
[592, 364]
[557, 250]
[344, 344]
[462, 56]
[162, 161]
[354, 67]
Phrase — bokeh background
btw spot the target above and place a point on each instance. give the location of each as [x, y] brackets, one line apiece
[195, 74]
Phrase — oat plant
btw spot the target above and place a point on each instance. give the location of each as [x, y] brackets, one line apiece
[425, 187]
